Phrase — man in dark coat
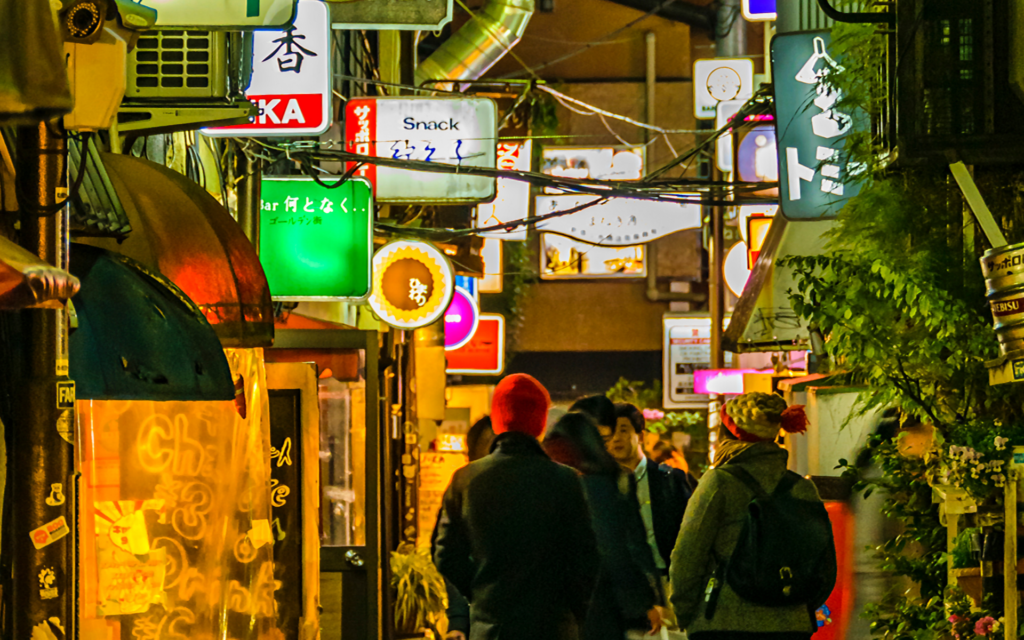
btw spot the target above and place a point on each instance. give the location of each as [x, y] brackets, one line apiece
[662, 491]
[514, 534]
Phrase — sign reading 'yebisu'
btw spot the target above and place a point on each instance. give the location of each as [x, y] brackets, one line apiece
[455, 131]
[816, 177]
[316, 243]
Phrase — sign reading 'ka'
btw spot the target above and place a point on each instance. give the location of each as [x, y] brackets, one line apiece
[291, 78]
[316, 243]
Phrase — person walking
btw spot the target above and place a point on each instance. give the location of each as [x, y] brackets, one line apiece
[628, 583]
[478, 445]
[711, 559]
[514, 535]
[663, 492]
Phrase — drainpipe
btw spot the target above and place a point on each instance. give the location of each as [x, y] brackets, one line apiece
[481, 42]
[651, 248]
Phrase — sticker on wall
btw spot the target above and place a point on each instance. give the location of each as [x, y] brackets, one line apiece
[66, 394]
[47, 581]
[49, 533]
[412, 284]
[56, 497]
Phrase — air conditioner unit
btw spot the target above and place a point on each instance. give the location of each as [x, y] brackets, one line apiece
[184, 78]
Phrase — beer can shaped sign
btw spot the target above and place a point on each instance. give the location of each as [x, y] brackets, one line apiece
[412, 284]
[291, 78]
[1003, 269]
[451, 131]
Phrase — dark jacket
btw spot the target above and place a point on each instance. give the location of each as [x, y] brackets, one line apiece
[628, 584]
[515, 538]
[457, 611]
[670, 493]
[711, 530]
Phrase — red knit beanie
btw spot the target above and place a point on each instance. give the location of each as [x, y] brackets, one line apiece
[520, 403]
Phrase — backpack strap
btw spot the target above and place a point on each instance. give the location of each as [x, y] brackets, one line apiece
[744, 476]
[787, 482]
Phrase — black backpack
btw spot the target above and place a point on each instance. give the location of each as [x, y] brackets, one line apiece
[785, 554]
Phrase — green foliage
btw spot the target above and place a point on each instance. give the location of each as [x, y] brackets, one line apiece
[648, 400]
[963, 555]
[420, 594]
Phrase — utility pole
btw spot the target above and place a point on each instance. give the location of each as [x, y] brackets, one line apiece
[42, 532]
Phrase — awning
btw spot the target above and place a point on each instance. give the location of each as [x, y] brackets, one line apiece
[181, 231]
[27, 281]
[139, 337]
[763, 319]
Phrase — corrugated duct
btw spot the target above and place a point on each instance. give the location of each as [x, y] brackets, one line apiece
[481, 42]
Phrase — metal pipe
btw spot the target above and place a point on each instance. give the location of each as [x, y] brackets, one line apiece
[481, 42]
[248, 204]
[42, 527]
[857, 17]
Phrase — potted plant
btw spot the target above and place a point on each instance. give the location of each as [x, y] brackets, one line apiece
[420, 594]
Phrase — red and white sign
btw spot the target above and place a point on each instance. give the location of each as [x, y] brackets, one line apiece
[513, 200]
[291, 78]
[456, 131]
[484, 354]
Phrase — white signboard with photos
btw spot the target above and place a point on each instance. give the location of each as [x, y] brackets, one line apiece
[617, 222]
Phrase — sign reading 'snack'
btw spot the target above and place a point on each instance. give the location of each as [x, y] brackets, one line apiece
[454, 131]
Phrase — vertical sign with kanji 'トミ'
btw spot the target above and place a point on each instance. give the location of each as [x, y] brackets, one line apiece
[816, 177]
[316, 243]
[291, 78]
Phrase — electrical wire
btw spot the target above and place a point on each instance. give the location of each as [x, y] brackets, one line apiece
[25, 203]
[595, 43]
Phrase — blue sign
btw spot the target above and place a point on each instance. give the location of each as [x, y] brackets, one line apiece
[469, 284]
[815, 174]
[759, 10]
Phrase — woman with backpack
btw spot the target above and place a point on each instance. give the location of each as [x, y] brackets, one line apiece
[755, 556]
[628, 583]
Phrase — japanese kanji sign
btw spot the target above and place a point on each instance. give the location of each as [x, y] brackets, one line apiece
[412, 284]
[316, 243]
[814, 172]
[221, 14]
[513, 200]
[291, 78]
[619, 222]
[459, 131]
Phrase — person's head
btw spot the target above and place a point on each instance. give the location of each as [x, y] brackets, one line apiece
[574, 441]
[520, 403]
[623, 442]
[757, 417]
[478, 439]
[599, 409]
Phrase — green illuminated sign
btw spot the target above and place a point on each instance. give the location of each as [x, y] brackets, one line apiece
[316, 243]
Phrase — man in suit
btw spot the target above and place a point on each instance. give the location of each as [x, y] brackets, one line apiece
[662, 491]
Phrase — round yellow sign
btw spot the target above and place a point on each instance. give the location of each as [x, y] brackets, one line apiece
[412, 284]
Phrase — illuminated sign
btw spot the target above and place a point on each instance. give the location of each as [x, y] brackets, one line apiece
[490, 253]
[720, 381]
[316, 243]
[757, 158]
[723, 145]
[719, 79]
[592, 163]
[484, 354]
[459, 131]
[513, 200]
[460, 319]
[291, 78]
[412, 284]
[759, 10]
[687, 348]
[618, 222]
[757, 231]
[563, 258]
[735, 268]
[221, 14]
[815, 176]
